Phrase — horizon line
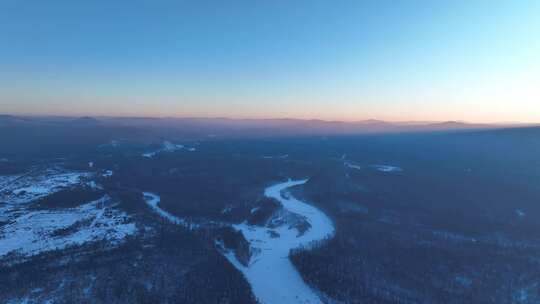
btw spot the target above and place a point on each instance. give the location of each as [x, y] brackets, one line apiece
[389, 121]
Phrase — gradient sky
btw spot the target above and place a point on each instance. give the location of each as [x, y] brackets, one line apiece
[346, 60]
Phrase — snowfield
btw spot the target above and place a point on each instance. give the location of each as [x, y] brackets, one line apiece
[33, 232]
[21, 189]
[270, 273]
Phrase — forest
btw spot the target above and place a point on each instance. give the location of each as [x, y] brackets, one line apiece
[454, 223]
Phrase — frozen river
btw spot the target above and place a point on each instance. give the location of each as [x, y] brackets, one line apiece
[271, 274]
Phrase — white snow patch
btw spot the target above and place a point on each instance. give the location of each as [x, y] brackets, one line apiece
[26, 188]
[6, 180]
[270, 273]
[107, 173]
[352, 166]
[386, 168]
[167, 146]
[381, 168]
[34, 232]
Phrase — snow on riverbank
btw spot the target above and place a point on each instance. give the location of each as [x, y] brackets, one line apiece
[270, 273]
[153, 201]
[34, 232]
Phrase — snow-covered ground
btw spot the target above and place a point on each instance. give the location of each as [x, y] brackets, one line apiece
[168, 146]
[270, 273]
[386, 168]
[107, 173]
[28, 231]
[20, 189]
[32, 232]
[381, 168]
[352, 166]
[6, 180]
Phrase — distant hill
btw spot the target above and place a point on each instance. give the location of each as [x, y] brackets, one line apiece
[272, 127]
[11, 120]
[86, 120]
[227, 127]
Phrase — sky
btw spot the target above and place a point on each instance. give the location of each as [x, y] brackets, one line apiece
[350, 60]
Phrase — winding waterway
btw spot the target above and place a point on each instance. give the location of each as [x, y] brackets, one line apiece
[272, 276]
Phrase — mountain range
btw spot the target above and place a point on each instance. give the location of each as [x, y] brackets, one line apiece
[258, 127]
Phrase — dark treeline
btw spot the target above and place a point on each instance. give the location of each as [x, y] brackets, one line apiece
[173, 266]
[457, 225]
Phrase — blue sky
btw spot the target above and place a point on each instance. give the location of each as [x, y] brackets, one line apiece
[347, 60]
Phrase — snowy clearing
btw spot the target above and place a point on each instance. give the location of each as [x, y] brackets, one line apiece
[28, 187]
[270, 273]
[34, 232]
